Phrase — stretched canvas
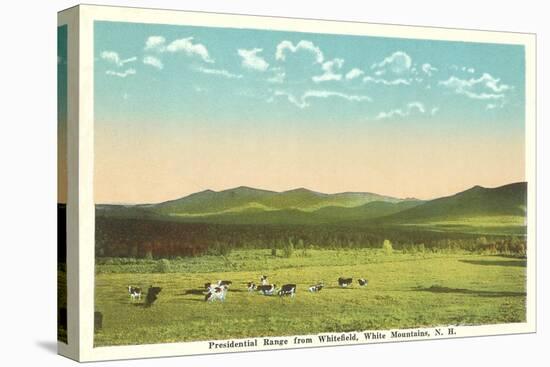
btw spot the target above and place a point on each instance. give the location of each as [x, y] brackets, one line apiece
[234, 183]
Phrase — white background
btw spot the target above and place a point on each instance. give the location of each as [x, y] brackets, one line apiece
[28, 182]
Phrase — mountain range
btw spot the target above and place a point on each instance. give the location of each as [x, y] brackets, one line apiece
[245, 205]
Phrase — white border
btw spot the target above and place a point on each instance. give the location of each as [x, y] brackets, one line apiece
[90, 13]
[71, 348]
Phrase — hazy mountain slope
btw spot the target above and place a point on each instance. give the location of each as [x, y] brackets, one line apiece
[209, 201]
[508, 200]
[330, 214]
[478, 206]
[239, 199]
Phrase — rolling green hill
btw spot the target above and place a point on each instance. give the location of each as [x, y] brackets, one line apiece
[243, 198]
[502, 207]
[504, 201]
[329, 214]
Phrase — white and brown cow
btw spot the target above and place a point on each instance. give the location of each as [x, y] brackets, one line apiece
[134, 292]
[216, 293]
[287, 290]
[208, 286]
[266, 290]
[316, 287]
[345, 282]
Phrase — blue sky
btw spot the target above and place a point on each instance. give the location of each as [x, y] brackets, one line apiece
[285, 76]
[181, 79]
[62, 86]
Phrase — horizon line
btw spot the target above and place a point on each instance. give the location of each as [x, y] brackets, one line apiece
[305, 189]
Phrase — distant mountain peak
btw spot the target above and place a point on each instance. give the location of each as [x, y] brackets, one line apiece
[249, 189]
[302, 190]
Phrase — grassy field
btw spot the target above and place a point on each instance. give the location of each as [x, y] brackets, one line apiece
[404, 291]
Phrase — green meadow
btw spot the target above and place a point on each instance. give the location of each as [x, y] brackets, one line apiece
[405, 290]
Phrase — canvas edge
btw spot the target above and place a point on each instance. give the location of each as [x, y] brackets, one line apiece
[70, 349]
[81, 286]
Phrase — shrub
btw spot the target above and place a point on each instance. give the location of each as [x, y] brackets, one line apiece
[521, 249]
[387, 247]
[219, 249]
[163, 266]
[288, 250]
[149, 255]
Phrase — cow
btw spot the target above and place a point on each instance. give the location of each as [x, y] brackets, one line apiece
[216, 293]
[251, 286]
[362, 282]
[266, 290]
[263, 280]
[287, 290]
[134, 292]
[344, 282]
[152, 295]
[208, 286]
[316, 287]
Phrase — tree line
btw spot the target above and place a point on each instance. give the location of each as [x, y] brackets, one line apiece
[148, 238]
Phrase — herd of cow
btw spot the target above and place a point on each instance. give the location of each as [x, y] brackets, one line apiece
[218, 290]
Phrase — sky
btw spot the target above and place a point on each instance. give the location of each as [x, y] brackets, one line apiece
[181, 109]
[62, 86]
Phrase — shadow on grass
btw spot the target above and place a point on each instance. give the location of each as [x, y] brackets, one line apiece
[520, 263]
[479, 293]
[237, 290]
[202, 292]
[510, 256]
[195, 292]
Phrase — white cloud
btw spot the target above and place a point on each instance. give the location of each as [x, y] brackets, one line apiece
[398, 81]
[302, 101]
[219, 72]
[153, 61]
[428, 69]
[278, 77]
[308, 46]
[329, 74]
[122, 74]
[187, 46]
[251, 60]
[434, 110]
[354, 73]
[471, 70]
[110, 56]
[416, 105]
[396, 69]
[113, 58]
[398, 63]
[412, 107]
[155, 43]
[485, 87]
[495, 104]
